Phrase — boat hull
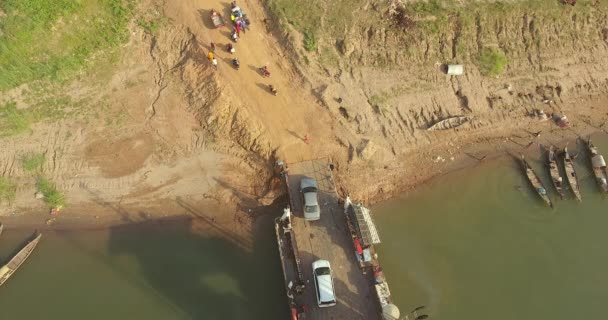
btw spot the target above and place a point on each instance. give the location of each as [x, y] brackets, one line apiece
[535, 181]
[16, 261]
[556, 178]
[571, 175]
[598, 164]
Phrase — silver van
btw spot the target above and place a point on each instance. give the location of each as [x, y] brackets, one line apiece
[324, 283]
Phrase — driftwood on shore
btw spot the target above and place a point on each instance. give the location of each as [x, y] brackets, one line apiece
[449, 123]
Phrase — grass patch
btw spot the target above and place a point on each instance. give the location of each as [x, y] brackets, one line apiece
[302, 14]
[33, 162]
[152, 25]
[378, 99]
[306, 17]
[8, 189]
[379, 102]
[329, 58]
[52, 40]
[52, 196]
[12, 120]
[491, 62]
[427, 7]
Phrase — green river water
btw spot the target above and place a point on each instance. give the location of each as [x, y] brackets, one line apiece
[474, 244]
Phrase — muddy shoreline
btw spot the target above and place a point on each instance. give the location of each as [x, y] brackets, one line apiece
[240, 219]
[210, 158]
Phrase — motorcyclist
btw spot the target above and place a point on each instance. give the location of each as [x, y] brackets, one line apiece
[272, 89]
[236, 63]
[230, 48]
[265, 71]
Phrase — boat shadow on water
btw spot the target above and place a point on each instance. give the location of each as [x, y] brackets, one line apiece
[4, 260]
[204, 269]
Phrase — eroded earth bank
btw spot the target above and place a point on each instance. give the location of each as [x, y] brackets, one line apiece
[151, 129]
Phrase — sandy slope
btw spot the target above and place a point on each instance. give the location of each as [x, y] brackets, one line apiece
[166, 133]
[186, 131]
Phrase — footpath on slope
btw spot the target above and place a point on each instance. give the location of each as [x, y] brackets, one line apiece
[288, 117]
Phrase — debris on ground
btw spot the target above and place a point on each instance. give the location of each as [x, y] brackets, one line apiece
[437, 159]
[455, 69]
[561, 121]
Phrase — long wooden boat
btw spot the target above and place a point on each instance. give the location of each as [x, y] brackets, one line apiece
[571, 176]
[1, 228]
[536, 182]
[449, 123]
[8, 269]
[599, 166]
[556, 178]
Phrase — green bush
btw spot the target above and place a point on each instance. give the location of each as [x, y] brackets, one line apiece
[52, 196]
[33, 162]
[310, 41]
[8, 190]
[491, 62]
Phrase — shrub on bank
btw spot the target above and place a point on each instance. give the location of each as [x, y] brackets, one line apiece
[491, 62]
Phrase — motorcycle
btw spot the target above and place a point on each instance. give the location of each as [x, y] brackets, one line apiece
[236, 64]
[264, 71]
[272, 89]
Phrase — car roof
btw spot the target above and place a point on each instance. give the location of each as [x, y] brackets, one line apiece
[320, 263]
[324, 282]
[306, 182]
[326, 288]
[310, 199]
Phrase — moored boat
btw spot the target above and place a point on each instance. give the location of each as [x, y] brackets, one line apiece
[536, 182]
[1, 227]
[16, 261]
[571, 176]
[599, 166]
[556, 178]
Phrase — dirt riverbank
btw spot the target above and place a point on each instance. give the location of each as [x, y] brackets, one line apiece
[163, 134]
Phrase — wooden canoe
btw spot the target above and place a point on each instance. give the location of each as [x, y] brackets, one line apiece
[449, 123]
[556, 178]
[571, 176]
[8, 269]
[599, 166]
[1, 228]
[536, 182]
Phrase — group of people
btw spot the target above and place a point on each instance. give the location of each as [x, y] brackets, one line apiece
[240, 24]
[240, 21]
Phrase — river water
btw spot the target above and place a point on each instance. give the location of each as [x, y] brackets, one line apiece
[480, 244]
[146, 272]
[474, 244]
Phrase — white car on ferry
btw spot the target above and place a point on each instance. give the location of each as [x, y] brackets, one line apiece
[324, 283]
